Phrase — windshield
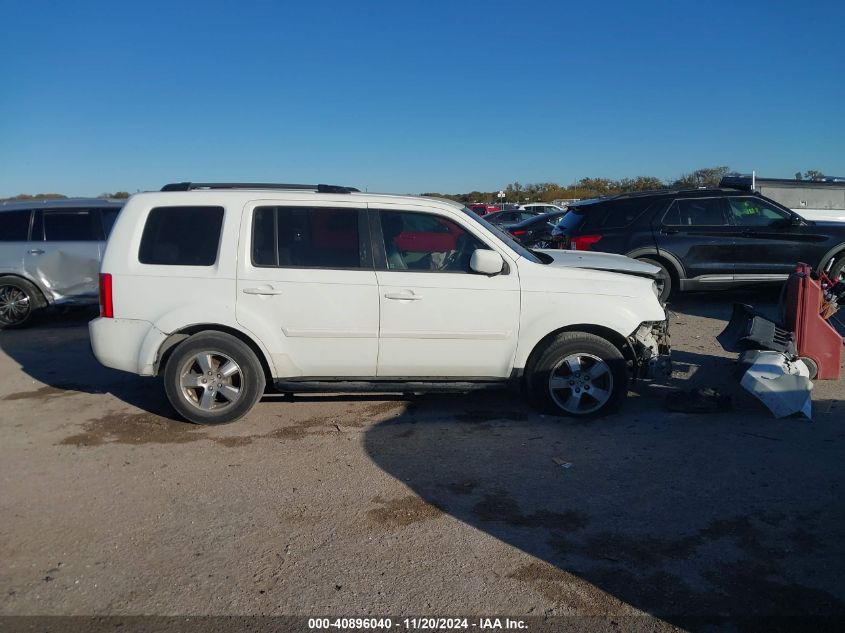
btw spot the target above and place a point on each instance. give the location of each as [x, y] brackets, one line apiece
[505, 237]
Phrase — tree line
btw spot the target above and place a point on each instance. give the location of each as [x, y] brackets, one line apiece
[23, 197]
[597, 187]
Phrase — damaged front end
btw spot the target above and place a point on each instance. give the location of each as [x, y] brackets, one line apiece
[651, 351]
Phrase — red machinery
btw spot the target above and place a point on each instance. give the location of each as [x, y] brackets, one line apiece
[815, 338]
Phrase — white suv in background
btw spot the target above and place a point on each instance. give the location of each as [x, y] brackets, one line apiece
[223, 288]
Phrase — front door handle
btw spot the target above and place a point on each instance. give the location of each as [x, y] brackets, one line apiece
[262, 290]
[403, 296]
[36, 251]
[669, 231]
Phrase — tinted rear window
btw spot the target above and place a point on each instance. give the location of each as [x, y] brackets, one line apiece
[571, 221]
[181, 236]
[14, 226]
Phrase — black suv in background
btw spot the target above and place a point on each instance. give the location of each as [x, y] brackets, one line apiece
[704, 239]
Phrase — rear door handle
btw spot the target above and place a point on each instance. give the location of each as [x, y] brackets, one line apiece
[669, 231]
[262, 290]
[403, 296]
[36, 251]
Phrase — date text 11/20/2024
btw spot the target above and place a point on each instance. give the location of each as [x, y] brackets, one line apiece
[423, 624]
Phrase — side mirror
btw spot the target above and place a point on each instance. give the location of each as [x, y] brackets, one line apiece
[486, 262]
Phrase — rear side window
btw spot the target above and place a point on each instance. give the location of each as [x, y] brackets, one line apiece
[695, 212]
[181, 236]
[14, 226]
[69, 225]
[303, 237]
[615, 215]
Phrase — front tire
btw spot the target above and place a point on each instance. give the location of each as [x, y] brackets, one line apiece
[18, 300]
[578, 375]
[213, 378]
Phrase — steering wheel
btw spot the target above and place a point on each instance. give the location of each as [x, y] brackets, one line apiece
[454, 260]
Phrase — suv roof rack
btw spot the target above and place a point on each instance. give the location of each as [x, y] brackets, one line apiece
[190, 186]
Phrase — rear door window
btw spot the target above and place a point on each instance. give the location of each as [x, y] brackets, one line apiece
[69, 225]
[181, 236]
[695, 212]
[14, 226]
[304, 237]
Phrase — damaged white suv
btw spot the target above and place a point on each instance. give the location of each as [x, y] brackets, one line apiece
[225, 288]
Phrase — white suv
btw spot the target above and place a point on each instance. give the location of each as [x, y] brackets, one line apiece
[224, 288]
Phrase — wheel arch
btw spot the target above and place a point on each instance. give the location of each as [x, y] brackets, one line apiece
[167, 347]
[610, 335]
[672, 263]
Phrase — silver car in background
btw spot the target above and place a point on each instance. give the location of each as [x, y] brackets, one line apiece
[50, 252]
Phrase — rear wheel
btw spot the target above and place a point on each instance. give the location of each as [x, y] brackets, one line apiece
[665, 285]
[213, 378]
[578, 375]
[837, 269]
[17, 301]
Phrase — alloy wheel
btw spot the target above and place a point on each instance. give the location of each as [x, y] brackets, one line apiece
[14, 305]
[581, 383]
[211, 381]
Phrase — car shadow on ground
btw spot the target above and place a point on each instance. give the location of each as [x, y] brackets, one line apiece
[689, 518]
[55, 350]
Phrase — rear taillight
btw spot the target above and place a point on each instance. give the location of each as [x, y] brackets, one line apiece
[583, 242]
[519, 232]
[106, 297]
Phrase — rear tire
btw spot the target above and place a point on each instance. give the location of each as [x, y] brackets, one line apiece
[837, 269]
[665, 283]
[578, 375]
[213, 378]
[18, 301]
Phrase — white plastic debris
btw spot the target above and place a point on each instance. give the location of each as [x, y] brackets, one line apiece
[781, 384]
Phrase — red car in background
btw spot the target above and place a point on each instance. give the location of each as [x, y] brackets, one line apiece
[481, 208]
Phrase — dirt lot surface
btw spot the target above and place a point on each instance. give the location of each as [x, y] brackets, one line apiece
[440, 505]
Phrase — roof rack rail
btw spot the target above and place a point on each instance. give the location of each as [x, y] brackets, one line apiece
[190, 186]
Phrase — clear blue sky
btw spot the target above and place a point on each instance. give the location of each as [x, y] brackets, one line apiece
[414, 96]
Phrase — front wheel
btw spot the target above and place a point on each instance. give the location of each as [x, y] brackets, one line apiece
[213, 378]
[579, 375]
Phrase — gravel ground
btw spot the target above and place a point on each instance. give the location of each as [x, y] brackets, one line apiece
[435, 505]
